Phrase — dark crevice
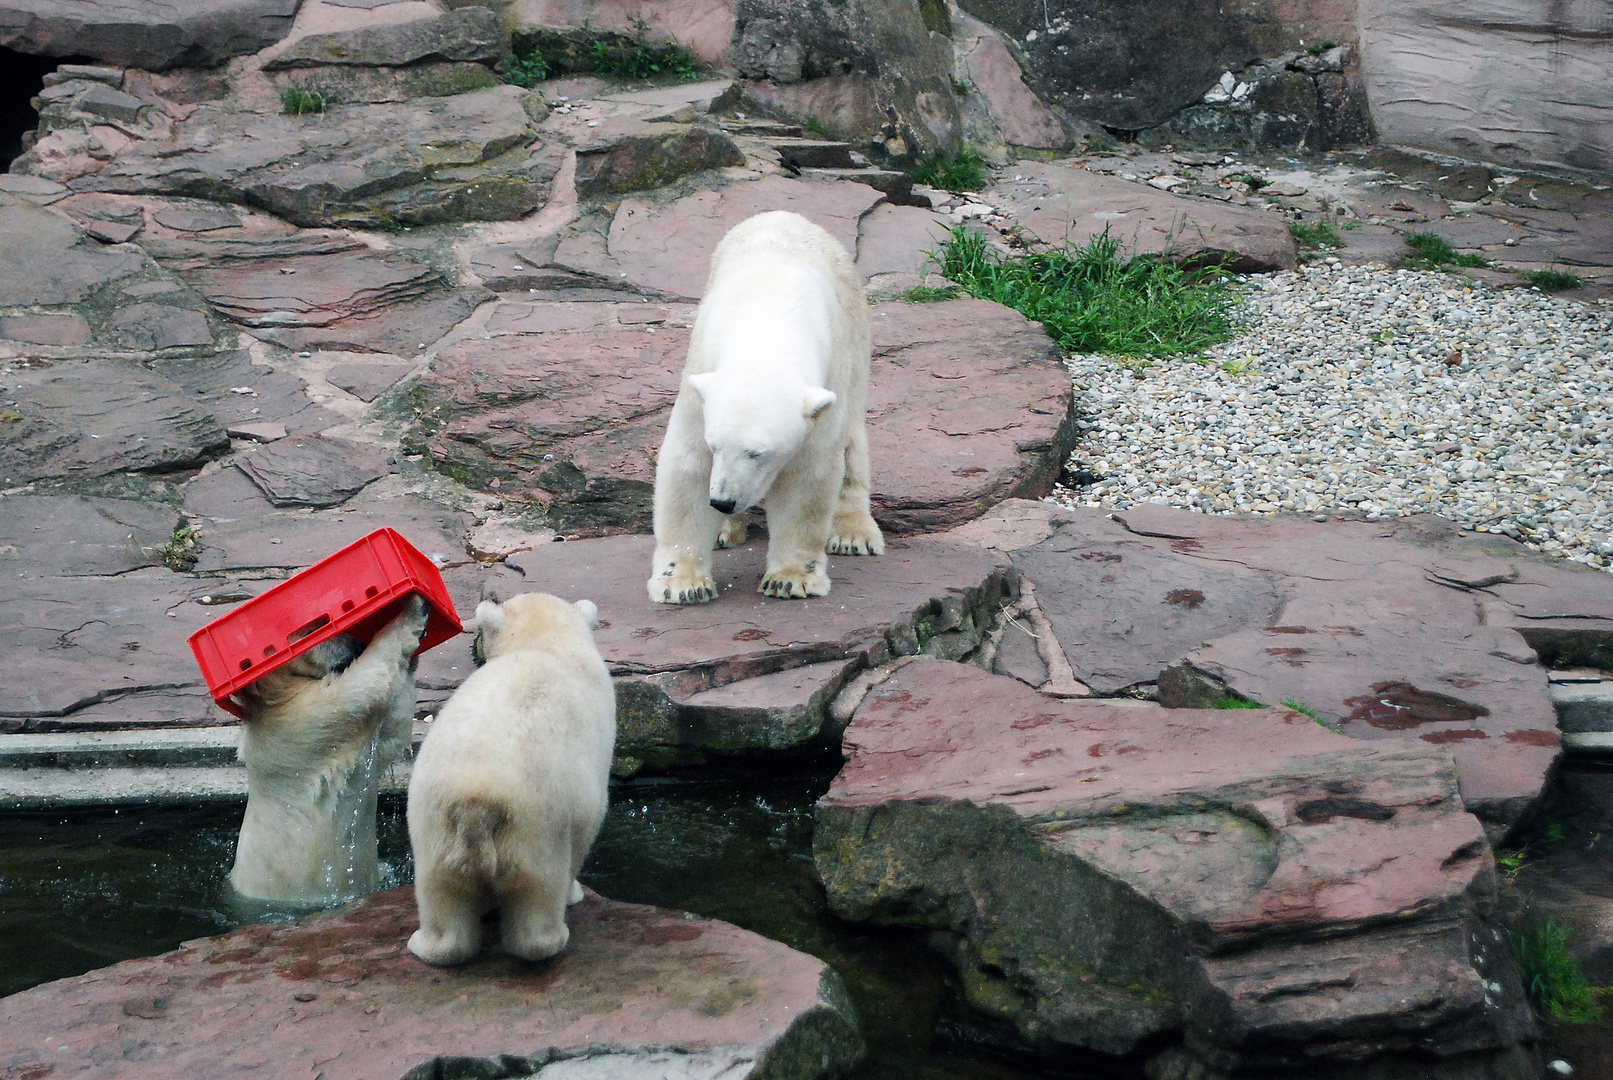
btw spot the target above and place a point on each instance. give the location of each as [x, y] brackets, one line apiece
[22, 77]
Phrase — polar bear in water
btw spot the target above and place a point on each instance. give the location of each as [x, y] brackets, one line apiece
[317, 735]
[771, 406]
[511, 785]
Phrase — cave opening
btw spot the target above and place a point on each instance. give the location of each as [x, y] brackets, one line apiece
[22, 77]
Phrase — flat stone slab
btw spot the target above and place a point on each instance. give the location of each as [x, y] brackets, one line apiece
[1059, 203]
[468, 34]
[969, 404]
[366, 381]
[75, 536]
[77, 420]
[471, 156]
[1104, 876]
[315, 291]
[313, 471]
[130, 33]
[666, 250]
[45, 258]
[639, 991]
[926, 593]
[1386, 632]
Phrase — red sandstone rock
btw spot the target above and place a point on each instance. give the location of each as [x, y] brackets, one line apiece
[1105, 874]
[638, 991]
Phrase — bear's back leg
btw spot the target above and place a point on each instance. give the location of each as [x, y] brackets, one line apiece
[451, 909]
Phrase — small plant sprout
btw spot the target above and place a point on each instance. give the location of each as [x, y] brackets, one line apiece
[1246, 366]
[1232, 701]
[1553, 280]
[964, 171]
[1305, 710]
[1316, 235]
[1557, 987]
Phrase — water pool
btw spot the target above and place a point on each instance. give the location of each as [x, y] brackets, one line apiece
[83, 890]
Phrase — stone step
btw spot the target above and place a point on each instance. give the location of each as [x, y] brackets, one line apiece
[775, 128]
[817, 153]
[73, 770]
[1584, 704]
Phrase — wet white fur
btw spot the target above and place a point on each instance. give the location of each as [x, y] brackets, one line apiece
[315, 745]
[771, 406]
[510, 786]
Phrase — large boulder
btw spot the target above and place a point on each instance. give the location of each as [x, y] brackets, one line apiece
[1517, 83]
[472, 156]
[1117, 877]
[638, 992]
[135, 33]
[470, 34]
[565, 406]
[1059, 203]
[749, 675]
[1130, 64]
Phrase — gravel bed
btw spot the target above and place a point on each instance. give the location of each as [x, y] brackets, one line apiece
[1385, 391]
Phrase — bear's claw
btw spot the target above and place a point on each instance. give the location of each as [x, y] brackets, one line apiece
[665, 589]
[794, 586]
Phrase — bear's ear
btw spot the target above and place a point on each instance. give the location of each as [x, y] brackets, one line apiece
[590, 613]
[815, 400]
[703, 382]
[489, 617]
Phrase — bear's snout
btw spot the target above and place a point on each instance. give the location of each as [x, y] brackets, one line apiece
[723, 506]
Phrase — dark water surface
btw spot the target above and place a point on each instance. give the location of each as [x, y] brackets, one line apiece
[83, 890]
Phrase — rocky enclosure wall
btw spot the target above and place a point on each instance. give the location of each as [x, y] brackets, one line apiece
[1521, 82]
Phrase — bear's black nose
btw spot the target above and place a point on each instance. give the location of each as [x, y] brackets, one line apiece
[723, 506]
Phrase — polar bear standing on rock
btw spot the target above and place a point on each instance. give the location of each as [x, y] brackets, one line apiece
[317, 736]
[510, 787]
[771, 406]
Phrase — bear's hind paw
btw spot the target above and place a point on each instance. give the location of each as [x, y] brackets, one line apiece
[855, 534]
[733, 531]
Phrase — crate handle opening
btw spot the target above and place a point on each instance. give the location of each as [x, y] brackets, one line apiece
[307, 628]
[347, 605]
[246, 663]
[268, 651]
[370, 592]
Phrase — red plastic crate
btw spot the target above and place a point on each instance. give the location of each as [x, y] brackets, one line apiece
[356, 591]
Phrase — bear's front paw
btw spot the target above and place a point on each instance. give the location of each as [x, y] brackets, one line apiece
[407, 625]
[855, 536]
[674, 586]
[813, 580]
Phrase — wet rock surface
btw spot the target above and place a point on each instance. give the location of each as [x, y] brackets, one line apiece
[1384, 631]
[1241, 850]
[638, 991]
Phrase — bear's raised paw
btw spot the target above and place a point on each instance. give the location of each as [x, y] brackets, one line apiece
[673, 586]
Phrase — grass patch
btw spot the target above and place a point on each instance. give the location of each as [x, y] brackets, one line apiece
[1092, 300]
[1319, 49]
[951, 172]
[959, 87]
[1317, 235]
[1255, 183]
[926, 294]
[1232, 702]
[540, 53]
[1305, 710]
[814, 125]
[1097, 144]
[1435, 252]
[1557, 987]
[1553, 280]
[300, 101]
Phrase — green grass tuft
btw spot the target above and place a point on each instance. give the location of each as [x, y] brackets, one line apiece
[1434, 252]
[814, 125]
[539, 53]
[1553, 280]
[1255, 183]
[926, 294]
[300, 101]
[1316, 235]
[1097, 144]
[1231, 702]
[1319, 49]
[952, 172]
[1305, 710]
[1557, 987]
[182, 551]
[1092, 300]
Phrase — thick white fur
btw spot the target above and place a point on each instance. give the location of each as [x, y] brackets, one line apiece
[510, 786]
[771, 406]
[315, 744]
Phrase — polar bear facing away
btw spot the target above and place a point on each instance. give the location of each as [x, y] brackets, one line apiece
[510, 786]
[771, 406]
[317, 736]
